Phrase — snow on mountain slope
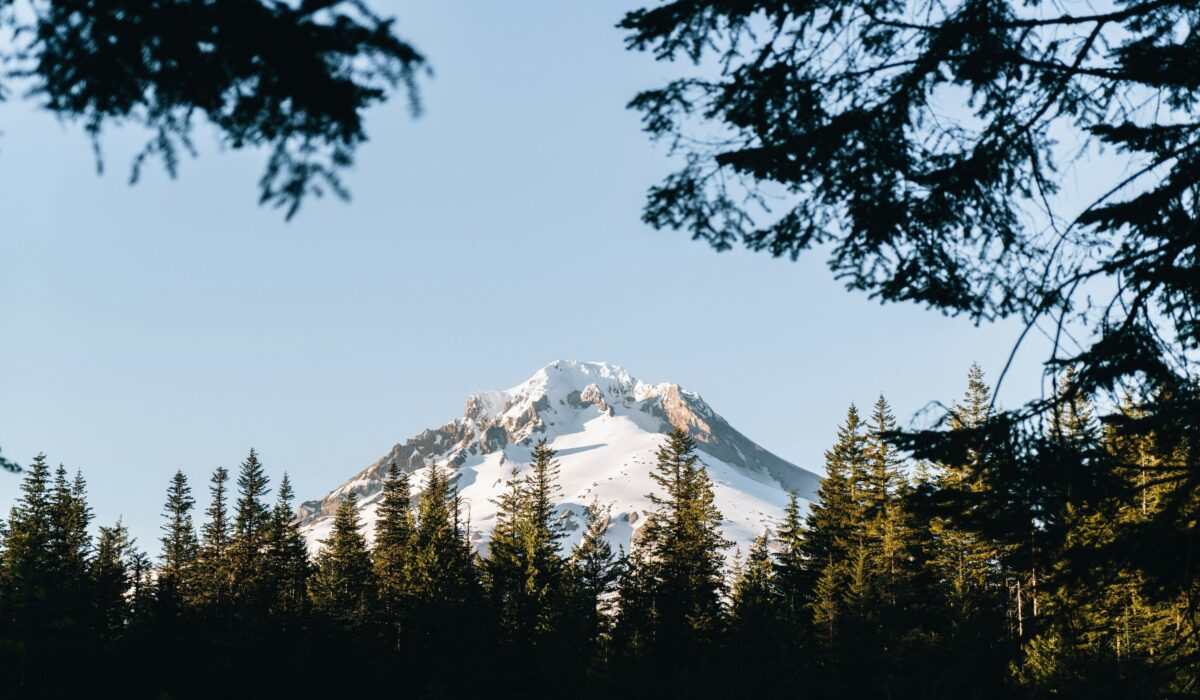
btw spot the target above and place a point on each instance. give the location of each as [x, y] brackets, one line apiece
[606, 428]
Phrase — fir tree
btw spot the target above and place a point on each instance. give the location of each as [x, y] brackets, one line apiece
[288, 567]
[684, 552]
[112, 581]
[392, 555]
[445, 586]
[835, 527]
[595, 569]
[26, 569]
[251, 589]
[507, 563]
[344, 588]
[793, 578]
[214, 573]
[525, 567]
[754, 630]
[180, 548]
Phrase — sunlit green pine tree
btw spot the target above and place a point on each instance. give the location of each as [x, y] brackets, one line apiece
[594, 570]
[177, 573]
[835, 531]
[684, 551]
[444, 579]
[249, 575]
[287, 563]
[214, 589]
[344, 588]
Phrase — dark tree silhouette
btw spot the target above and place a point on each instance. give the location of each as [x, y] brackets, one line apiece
[923, 145]
[293, 78]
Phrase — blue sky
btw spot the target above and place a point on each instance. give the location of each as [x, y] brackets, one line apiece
[175, 324]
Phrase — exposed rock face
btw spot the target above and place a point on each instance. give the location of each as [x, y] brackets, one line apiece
[561, 402]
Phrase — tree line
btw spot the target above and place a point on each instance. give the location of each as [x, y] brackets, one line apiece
[899, 582]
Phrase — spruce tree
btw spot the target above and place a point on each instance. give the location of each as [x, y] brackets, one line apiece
[525, 566]
[112, 581]
[287, 564]
[395, 525]
[445, 586]
[214, 589]
[834, 527]
[594, 569]
[25, 579]
[177, 570]
[754, 629]
[793, 578]
[963, 561]
[247, 546]
[683, 548]
[507, 562]
[343, 588]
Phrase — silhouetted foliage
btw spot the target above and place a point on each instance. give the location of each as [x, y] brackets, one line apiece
[292, 78]
[925, 147]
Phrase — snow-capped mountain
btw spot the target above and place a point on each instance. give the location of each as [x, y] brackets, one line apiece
[606, 428]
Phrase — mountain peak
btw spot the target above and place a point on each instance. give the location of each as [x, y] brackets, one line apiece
[606, 427]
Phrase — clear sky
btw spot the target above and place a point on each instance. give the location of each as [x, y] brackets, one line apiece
[173, 325]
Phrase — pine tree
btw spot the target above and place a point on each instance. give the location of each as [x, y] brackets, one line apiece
[595, 569]
[886, 519]
[344, 588]
[835, 528]
[69, 540]
[392, 553]
[214, 590]
[683, 549]
[180, 548]
[26, 569]
[288, 567]
[754, 630]
[112, 581]
[250, 586]
[793, 579]
[525, 567]
[507, 563]
[962, 559]
[964, 562]
[445, 587]
[70, 545]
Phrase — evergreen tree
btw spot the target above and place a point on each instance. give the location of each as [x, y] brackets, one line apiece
[595, 569]
[683, 550]
[525, 567]
[964, 562]
[445, 586]
[180, 548]
[392, 555]
[754, 629]
[25, 580]
[344, 588]
[835, 530]
[112, 581]
[288, 567]
[214, 591]
[793, 579]
[507, 563]
[247, 546]
[70, 542]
